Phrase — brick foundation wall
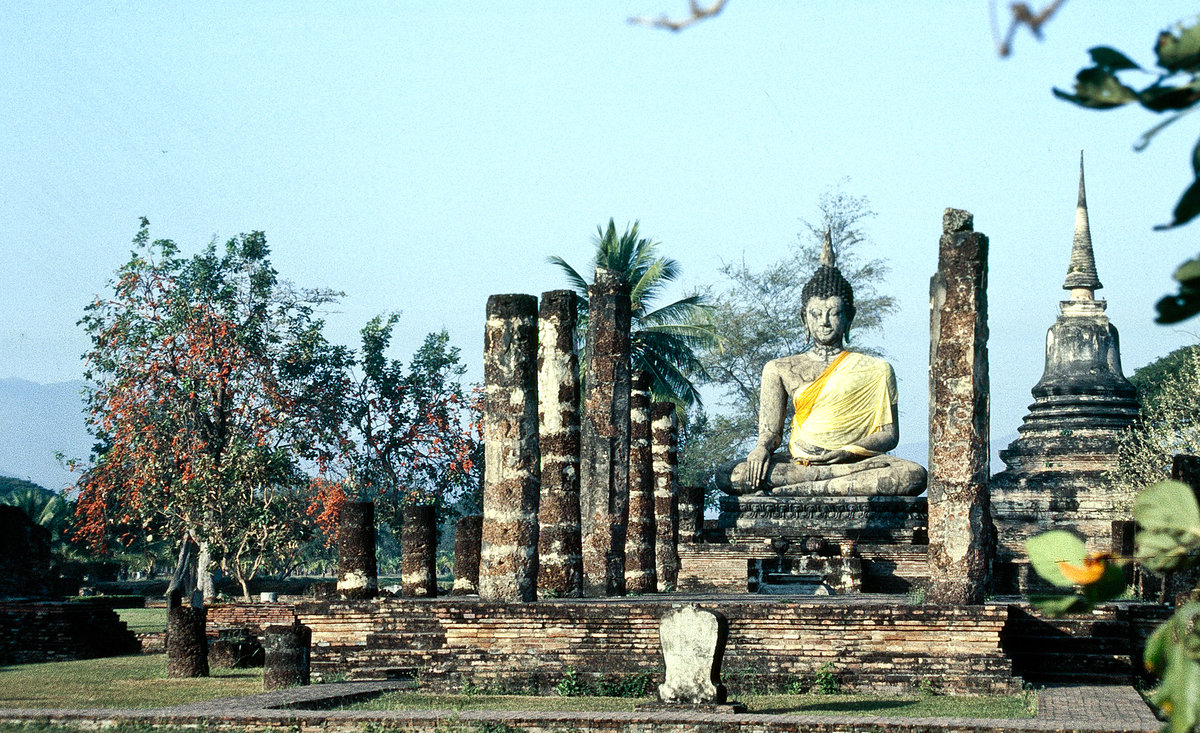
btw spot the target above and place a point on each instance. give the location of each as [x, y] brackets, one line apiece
[452, 643]
[254, 616]
[721, 567]
[55, 632]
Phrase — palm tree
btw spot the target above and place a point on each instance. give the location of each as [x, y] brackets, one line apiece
[663, 340]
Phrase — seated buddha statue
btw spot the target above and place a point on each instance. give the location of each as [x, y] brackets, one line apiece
[844, 411]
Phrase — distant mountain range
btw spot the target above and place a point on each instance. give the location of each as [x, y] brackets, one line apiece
[36, 421]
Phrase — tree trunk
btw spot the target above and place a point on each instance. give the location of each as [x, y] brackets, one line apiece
[204, 576]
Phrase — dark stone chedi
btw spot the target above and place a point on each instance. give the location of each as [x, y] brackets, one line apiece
[604, 436]
[512, 472]
[560, 562]
[1054, 470]
[959, 525]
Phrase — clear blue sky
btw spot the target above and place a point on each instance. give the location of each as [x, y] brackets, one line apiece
[421, 156]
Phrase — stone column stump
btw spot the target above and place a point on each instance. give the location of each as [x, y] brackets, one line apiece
[666, 507]
[604, 436]
[187, 645]
[467, 533]
[640, 572]
[560, 562]
[512, 480]
[358, 575]
[418, 552]
[960, 542]
[286, 656]
[691, 513]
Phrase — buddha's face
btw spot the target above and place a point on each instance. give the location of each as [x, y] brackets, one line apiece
[825, 319]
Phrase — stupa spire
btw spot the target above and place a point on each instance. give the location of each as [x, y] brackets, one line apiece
[1082, 279]
[827, 249]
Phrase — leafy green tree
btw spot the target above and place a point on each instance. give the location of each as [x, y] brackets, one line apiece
[664, 340]
[192, 411]
[1167, 424]
[402, 434]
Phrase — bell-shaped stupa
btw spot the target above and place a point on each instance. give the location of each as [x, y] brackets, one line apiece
[1054, 475]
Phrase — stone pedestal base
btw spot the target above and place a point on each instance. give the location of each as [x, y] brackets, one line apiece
[804, 575]
[835, 519]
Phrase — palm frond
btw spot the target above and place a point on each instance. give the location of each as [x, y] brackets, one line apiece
[578, 284]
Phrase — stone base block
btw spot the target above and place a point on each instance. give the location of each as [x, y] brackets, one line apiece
[841, 519]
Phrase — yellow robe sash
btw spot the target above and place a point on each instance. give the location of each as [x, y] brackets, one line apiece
[851, 399]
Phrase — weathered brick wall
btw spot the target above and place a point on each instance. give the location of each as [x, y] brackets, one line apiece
[254, 616]
[722, 567]
[458, 642]
[46, 632]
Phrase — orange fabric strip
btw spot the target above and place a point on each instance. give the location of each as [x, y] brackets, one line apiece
[807, 398]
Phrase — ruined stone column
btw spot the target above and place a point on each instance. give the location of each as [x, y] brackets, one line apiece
[560, 562]
[511, 484]
[640, 572]
[467, 532]
[418, 552]
[604, 436]
[187, 645]
[960, 543]
[691, 513]
[286, 652]
[666, 508]
[358, 575]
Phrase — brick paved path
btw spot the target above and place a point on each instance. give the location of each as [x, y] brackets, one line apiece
[1090, 709]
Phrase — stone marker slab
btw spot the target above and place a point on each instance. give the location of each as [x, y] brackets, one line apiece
[693, 642]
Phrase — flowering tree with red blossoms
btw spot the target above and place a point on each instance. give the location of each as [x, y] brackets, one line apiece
[214, 397]
[191, 408]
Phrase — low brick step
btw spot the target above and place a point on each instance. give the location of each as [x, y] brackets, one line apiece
[385, 674]
[422, 640]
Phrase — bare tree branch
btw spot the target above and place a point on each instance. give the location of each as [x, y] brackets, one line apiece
[1022, 15]
[698, 13]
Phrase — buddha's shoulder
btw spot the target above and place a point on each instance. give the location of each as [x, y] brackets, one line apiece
[796, 365]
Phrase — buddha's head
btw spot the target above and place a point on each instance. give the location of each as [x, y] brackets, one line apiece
[827, 301]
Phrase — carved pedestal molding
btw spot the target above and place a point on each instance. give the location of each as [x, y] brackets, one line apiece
[640, 573]
[511, 483]
[959, 521]
[604, 436]
[560, 562]
[663, 444]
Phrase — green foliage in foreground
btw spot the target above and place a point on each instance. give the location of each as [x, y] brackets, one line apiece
[116, 682]
[1012, 706]
[1168, 538]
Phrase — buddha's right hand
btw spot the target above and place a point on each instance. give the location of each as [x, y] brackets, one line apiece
[756, 466]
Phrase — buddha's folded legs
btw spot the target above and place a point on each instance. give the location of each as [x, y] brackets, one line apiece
[879, 475]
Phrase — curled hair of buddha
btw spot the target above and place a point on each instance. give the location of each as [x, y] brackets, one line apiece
[828, 281]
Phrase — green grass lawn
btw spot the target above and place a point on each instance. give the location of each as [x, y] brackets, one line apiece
[143, 620]
[140, 682]
[116, 682]
[943, 706]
